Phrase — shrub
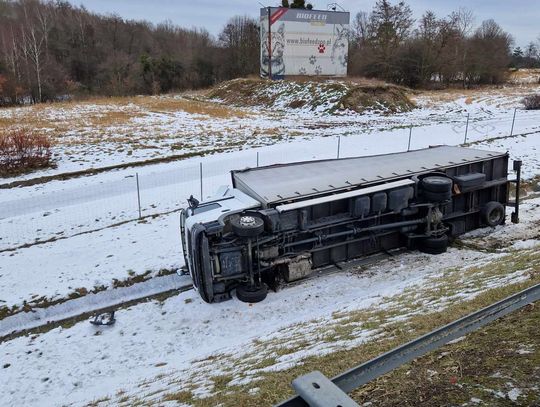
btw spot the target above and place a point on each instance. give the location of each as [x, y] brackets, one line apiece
[23, 150]
[532, 102]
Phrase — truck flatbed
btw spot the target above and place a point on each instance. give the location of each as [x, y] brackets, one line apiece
[287, 182]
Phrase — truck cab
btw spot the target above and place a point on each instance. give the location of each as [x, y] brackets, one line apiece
[199, 219]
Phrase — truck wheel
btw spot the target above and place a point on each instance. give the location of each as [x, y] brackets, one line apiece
[430, 196]
[433, 245]
[437, 184]
[247, 225]
[492, 214]
[252, 294]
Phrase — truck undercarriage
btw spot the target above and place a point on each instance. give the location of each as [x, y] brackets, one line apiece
[293, 218]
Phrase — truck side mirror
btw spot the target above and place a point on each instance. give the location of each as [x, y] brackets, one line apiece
[192, 202]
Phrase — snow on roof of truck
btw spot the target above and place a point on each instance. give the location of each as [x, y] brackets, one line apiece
[286, 182]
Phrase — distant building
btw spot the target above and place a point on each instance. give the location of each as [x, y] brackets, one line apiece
[304, 42]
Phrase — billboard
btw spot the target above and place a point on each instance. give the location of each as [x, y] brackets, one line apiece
[303, 42]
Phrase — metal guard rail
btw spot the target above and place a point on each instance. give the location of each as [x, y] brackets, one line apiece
[315, 390]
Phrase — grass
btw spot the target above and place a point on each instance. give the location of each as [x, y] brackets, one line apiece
[180, 397]
[192, 106]
[110, 133]
[488, 94]
[485, 367]
[112, 111]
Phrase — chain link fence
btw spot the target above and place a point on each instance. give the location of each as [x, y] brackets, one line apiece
[50, 215]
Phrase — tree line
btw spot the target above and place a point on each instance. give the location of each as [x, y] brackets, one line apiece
[54, 50]
[388, 43]
[528, 58]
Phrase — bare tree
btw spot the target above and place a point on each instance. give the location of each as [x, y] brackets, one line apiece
[490, 54]
[389, 26]
[240, 38]
[35, 38]
[463, 20]
[360, 28]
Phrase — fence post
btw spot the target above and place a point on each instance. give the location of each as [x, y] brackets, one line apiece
[338, 145]
[466, 129]
[257, 159]
[513, 120]
[200, 177]
[138, 194]
[410, 135]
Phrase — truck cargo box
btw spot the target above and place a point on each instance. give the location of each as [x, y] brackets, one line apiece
[289, 182]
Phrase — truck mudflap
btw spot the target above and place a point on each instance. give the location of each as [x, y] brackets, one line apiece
[201, 271]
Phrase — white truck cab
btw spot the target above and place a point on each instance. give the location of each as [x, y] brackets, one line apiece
[227, 201]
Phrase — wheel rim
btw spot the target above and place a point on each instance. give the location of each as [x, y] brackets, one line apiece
[247, 221]
[495, 216]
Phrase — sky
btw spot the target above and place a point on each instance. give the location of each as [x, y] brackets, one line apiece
[521, 18]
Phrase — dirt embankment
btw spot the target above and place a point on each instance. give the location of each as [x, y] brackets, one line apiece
[328, 96]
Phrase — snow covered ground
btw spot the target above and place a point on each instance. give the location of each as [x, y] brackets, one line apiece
[87, 251]
[158, 343]
[89, 261]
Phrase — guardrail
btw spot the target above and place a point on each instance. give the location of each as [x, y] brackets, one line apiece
[315, 390]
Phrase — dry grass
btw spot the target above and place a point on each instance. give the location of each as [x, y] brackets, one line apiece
[525, 76]
[192, 106]
[494, 95]
[357, 80]
[102, 113]
[486, 366]
[89, 130]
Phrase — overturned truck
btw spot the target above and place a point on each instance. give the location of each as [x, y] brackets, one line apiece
[281, 222]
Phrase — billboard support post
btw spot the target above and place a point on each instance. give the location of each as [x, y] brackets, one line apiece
[269, 45]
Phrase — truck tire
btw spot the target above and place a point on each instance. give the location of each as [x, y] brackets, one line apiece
[437, 184]
[492, 214]
[430, 196]
[251, 294]
[433, 245]
[247, 225]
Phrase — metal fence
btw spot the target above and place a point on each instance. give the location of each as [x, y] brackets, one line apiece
[77, 207]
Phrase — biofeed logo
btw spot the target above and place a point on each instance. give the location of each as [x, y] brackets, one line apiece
[309, 41]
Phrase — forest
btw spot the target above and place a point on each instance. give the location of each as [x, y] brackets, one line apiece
[55, 51]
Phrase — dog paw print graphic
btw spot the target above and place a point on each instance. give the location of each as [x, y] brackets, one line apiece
[312, 59]
[322, 48]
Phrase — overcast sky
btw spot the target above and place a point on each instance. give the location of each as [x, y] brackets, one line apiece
[519, 17]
